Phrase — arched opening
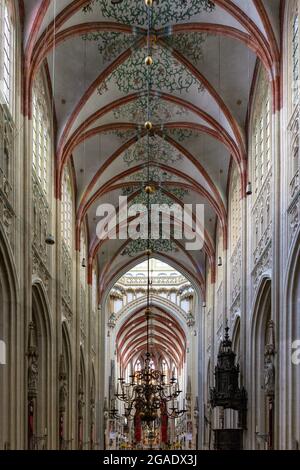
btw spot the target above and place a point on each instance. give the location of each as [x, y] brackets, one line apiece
[65, 392]
[291, 359]
[263, 350]
[39, 370]
[207, 435]
[206, 125]
[232, 415]
[92, 415]
[172, 342]
[11, 401]
[295, 328]
[82, 406]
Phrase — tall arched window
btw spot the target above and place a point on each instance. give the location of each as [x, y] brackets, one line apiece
[261, 162]
[165, 370]
[295, 57]
[67, 211]
[7, 53]
[40, 135]
[235, 209]
[261, 133]
[94, 289]
[235, 237]
[293, 67]
[7, 127]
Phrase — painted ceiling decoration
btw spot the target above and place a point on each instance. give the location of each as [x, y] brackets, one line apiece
[99, 48]
[161, 245]
[133, 12]
[189, 44]
[181, 134]
[161, 111]
[167, 73]
[160, 151]
[159, 197]
[158, 143]
[123, 134]
[156, 175]
[110, 44]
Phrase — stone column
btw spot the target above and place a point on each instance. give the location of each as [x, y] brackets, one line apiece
[245, 317]
[276, 260]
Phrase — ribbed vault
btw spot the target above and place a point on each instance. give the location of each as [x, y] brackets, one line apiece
[200, 99]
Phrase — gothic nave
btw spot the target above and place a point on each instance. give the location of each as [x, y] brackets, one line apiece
[118, 332]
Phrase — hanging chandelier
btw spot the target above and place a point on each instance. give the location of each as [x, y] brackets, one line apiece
[147, 395]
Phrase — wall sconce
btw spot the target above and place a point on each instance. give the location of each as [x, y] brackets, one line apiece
[50, 240]
[249, 189]
[220, 262]
[83, 264]
[204, 305]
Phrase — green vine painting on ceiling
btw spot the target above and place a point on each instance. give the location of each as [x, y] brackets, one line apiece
[110, 44]
[162, 245]
[156, 246]
[134, 12]
[161, 111]
[167, 74]
[158, 197]
[189, 44]
[160, 151]
[155, 174]
[181, 134]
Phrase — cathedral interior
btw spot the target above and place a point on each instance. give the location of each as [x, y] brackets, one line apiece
[113, 341]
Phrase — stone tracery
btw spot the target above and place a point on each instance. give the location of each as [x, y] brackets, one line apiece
[49, 134]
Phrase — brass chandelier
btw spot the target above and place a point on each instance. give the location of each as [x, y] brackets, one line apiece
[147, 394]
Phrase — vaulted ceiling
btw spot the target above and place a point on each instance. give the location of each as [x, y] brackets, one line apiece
[166, 338]
[205, 57]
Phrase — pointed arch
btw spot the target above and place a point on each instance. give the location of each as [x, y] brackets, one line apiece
[41, 317]
[12, 371]
[290, 333]
[259, 321]
[82, 399]
[68, 360]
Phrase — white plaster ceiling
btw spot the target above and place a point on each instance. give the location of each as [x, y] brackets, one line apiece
[227, 65]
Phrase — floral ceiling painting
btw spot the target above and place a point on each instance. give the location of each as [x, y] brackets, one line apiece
[159, 150]
[169, 75]
[161, 111]
[131, 12]
[164, 197]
